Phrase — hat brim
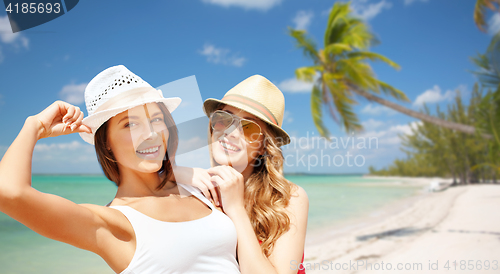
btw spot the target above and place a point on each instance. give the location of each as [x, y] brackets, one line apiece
[96, 120]
[210, 105]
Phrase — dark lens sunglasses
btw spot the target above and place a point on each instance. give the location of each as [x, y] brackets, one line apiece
[221, 120]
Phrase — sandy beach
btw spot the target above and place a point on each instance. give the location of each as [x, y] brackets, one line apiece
[453, 231]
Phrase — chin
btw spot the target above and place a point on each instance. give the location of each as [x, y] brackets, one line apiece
[239, 160]
[150, 167]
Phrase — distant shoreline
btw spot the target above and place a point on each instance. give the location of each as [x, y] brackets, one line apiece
[286, 174]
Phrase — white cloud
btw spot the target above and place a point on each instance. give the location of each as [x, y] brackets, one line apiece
[409, 2]
[6, 34]
[293, 85]
[378, 145]
[221, 56]
[389, 136]
[303, 19]
[262, 5]
[405, 129]
[376, 109]
[433, 95]
[73, 93]
[65, 157]
[494, 24]
[366, 11]
[75, 145]
[71, 152]
[7, 37]
[371, 124]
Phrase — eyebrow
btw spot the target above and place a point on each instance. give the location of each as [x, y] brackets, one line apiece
[136, 117]
[248, 118]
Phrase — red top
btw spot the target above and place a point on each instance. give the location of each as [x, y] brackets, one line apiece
[302, 269]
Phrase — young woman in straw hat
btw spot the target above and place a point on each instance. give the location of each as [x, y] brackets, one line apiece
[152, 225]
[269, 212]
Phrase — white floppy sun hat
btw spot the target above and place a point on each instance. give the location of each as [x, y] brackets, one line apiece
[115, 90]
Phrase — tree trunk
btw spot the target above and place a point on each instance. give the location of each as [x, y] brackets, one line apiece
[419, 115]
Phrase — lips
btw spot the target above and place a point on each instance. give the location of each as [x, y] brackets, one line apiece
[149, 150]
[228, 146]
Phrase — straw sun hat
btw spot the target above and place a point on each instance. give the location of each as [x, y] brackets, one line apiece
[258, 96]
[115, 90]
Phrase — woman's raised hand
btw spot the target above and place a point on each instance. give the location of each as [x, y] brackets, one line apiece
[60, 118]
[232, 187]
[197, 177]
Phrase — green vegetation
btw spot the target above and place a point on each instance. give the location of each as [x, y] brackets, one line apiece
[341, 71]
[435, 151]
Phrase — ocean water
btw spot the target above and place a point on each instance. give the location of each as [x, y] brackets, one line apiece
[333, 199]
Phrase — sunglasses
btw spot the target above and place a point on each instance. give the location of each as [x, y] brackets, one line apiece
[221, 120]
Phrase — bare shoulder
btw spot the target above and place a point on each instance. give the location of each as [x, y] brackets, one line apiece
[298, 193]
[299, 198]
[110, 217]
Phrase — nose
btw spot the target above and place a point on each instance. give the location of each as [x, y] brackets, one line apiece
[233, 130]
[149, 132]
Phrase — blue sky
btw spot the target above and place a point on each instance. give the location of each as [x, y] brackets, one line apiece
[222, 42]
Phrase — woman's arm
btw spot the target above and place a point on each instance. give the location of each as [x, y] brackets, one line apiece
[288, 249]
[49, 215]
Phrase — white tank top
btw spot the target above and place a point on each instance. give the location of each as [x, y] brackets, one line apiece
[206, 245]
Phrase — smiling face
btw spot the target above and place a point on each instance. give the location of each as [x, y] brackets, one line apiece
[138, 138]
[229, 146]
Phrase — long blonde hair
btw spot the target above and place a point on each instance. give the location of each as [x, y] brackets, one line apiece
[267, 193]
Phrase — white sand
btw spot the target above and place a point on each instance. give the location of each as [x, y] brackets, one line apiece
[460, 223]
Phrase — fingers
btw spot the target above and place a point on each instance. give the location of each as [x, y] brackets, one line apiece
[214, 192]
[225, 172]
[70, 112]
[204, 189]
[84, 128]
[219, 197]
[216, 181]
[73, 119]
[208, 190]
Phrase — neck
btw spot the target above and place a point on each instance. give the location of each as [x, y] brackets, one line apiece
[247, 172]
[139, 184]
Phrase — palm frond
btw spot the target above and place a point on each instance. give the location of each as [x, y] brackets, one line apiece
[336, 22]
[480, 12]
[307, 74]
[337, 48]
[305, 43]
[317, 112]
[361, 55]
[392, 91]
[357, 72]
[487, 75]
[343, 105]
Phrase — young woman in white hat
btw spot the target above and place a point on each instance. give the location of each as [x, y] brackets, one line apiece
[269, 212]
[152, 225]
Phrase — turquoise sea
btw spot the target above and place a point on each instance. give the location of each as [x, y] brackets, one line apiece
[333, 199]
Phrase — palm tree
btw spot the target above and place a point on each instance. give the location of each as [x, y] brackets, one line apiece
[488, 74]
[480, 11]
[340, 71]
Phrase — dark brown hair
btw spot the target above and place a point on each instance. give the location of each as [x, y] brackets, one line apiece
[109, 164]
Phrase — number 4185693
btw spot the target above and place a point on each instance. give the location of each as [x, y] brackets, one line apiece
[34, 8]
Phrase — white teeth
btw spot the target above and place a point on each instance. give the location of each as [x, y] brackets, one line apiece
[150, 150]
[228, 146]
